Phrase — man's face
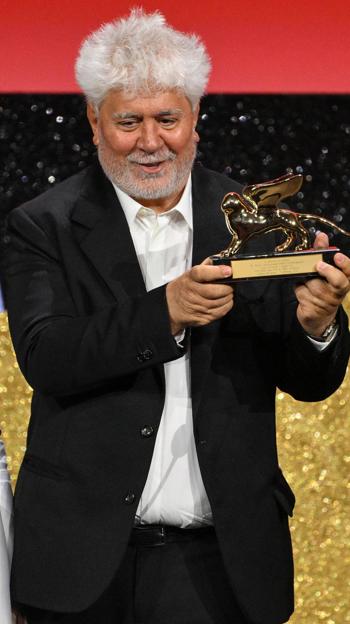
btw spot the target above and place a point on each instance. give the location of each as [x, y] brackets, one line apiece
[146, 145]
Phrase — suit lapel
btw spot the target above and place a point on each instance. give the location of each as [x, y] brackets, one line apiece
[210, 236]
[103, 235]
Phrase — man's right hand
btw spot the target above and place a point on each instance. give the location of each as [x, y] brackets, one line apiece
[194, 299]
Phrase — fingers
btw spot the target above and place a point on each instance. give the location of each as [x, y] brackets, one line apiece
[195, 298]
[212, 291]
[220, 311]
[205, 305]
[337, 277]
[316, 300]
[321, 241]
[343, 263]
[205, 282]
[319, 299]
[207, 261]
[206, 272]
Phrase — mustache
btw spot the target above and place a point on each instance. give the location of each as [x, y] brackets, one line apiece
[147, 159]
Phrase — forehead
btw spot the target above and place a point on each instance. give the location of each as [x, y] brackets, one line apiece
[145, 104]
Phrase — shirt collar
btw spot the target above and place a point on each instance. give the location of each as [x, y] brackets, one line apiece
[132, 207]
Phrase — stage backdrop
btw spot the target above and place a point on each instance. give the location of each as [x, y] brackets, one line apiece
[265, 47]
[250, 138]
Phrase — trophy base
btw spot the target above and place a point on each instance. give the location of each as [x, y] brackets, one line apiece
[291, 264]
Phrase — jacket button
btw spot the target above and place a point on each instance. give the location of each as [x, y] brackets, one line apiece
[129, 498]
[148, 354]
[147, 431]
[145, 355]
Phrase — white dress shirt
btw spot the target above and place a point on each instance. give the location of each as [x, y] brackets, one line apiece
[174, 492]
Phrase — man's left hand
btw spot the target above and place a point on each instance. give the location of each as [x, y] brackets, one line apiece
[319, 299]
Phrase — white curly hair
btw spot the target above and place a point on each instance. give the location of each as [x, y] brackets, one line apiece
[141, 54]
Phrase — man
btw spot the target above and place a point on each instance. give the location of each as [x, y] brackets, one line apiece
[150, 491]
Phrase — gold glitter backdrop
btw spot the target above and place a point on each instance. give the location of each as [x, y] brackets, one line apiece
[314, 452]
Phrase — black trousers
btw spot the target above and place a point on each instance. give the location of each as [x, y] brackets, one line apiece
[180, 582]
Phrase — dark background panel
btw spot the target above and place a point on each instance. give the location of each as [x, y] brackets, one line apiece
[252, 138]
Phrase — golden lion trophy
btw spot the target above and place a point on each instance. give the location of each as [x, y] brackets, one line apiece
[257, 212]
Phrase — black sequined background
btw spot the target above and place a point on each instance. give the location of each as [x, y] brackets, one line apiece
[46, 138]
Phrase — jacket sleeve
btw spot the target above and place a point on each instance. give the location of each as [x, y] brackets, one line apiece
[59, 352]
[305, 372]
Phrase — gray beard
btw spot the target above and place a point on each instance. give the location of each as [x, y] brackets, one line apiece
[147, 186]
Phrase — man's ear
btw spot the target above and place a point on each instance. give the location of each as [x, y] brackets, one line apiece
[195, 119]
[93, 121]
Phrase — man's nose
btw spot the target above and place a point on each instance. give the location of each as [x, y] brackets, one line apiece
[150, 139]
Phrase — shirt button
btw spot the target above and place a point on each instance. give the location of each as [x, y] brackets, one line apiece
[129, 498]
[147, 431]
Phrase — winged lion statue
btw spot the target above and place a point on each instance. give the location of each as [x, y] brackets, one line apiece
[257, 211]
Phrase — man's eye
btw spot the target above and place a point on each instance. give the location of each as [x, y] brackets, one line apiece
[168, 121]
[127, 124]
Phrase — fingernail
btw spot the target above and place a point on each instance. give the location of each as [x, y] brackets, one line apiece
[340, 258]
[227, 271]
[322, 265]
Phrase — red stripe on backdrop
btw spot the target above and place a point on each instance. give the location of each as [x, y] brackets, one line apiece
[272, 46]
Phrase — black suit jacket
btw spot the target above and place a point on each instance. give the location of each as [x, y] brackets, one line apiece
[91, 342]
